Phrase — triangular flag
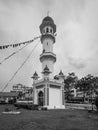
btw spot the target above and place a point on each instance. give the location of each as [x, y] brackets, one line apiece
[3, 47]
[13, 45]
[23, 43]
[0, 47]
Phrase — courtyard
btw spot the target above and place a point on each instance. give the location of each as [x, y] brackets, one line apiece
[68, 119]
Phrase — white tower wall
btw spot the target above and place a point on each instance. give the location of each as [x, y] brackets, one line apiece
[54, 98]
[48, 57]
[48, 45]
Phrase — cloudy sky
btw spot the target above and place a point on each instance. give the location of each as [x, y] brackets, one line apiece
[76, 44]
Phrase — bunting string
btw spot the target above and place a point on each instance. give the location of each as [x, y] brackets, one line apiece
[17, 44]
[20, 67]
[27, 43]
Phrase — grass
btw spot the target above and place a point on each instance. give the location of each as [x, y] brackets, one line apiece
[48, 120]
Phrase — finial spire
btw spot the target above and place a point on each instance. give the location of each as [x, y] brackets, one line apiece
[48, 13]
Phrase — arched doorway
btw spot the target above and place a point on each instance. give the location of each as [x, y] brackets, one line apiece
[40, 98]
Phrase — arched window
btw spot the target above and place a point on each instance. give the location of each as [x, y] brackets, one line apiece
[47, 30]
[40, 98]
[43, 50]
[50, 30]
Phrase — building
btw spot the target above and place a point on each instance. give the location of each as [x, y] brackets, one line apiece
[7, 96]
[23, 91]
[48, 92]
[20, 88]
[73, 92]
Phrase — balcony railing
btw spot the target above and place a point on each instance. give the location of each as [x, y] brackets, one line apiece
[47, 53]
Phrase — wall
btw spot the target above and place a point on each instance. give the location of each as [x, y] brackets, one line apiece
[54, 97]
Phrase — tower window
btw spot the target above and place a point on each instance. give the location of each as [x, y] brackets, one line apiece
[47, 43]
[43, 50]
[47, 30]
[51, 30]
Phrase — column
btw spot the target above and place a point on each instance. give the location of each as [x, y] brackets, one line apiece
[35, 96]
[47, 94]
[63, 95]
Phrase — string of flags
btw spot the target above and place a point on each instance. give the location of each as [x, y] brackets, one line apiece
[20, 67]
[17, 44]
[29, 42]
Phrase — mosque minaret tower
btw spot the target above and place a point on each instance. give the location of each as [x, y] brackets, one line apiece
[48, 30]
[48, 92]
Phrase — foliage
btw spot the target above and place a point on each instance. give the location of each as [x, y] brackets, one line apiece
[87, 85]
[96, 102]
[69, 82]
[20, 94]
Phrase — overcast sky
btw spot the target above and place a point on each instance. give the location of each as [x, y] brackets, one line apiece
[76, 44]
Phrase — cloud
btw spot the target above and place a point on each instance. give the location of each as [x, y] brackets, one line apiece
[76, 44]
[77, 63]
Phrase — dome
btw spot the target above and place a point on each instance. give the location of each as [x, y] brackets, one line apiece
[46, 68]
[35, 75]
[48, 19]
[61, 73]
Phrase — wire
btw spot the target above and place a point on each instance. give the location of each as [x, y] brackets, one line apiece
[19, 68]
[19, 50]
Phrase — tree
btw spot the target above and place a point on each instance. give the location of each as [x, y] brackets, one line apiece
[20, 94]
[84, 85]
[69, 82]
[88, 86]
[96, 102]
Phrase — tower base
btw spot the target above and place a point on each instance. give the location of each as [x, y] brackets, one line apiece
[55, 107]
[49, 93]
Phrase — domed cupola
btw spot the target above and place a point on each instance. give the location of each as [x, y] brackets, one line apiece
[46, 71]
[48, 19]
[61, 73]
[35, 76]
[48, 28]
[61, 76]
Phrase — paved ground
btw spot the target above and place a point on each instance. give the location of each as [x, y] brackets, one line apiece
[48, 120]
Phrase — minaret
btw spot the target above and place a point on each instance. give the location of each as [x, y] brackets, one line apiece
[48, 58]
[35, 77]
[48, 92]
